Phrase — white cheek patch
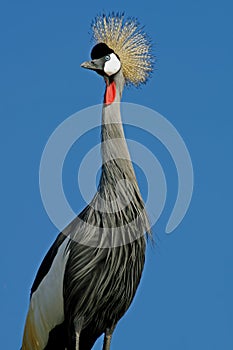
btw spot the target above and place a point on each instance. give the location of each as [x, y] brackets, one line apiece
[113, 65]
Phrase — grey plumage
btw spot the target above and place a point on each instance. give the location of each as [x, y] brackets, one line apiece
[108, 277]
[105, 250]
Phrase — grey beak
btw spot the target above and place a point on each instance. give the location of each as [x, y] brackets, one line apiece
[88, 65]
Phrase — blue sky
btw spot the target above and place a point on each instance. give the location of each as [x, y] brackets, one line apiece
[185, 298]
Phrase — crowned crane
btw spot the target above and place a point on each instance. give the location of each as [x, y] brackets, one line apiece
[90, 274]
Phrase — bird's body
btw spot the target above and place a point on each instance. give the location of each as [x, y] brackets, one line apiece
[89, 276]
[99, 296]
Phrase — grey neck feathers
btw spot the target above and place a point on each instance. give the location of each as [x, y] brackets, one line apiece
[118, 178]
[115, 154]
[118, 204]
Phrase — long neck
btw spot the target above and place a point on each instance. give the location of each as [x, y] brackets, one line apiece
[118, 191]
[115, 154]
[116, 214]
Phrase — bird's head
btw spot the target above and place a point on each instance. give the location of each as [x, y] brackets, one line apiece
[103, 60]
[122, 46]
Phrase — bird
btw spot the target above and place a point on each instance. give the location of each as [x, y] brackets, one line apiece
[90, 274]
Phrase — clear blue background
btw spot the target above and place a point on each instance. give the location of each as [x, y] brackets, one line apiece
[185, 299]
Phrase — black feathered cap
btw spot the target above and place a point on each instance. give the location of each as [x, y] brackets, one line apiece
[100, 50]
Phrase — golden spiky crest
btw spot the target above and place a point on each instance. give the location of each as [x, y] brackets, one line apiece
[128, 40]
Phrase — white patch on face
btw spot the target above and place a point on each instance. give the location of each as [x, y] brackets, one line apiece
[113, 65]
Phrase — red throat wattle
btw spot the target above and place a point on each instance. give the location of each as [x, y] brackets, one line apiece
[110, 93]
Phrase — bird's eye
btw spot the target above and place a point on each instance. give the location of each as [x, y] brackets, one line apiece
[107, 58]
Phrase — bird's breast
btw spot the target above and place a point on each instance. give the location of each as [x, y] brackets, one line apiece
[102, 286]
